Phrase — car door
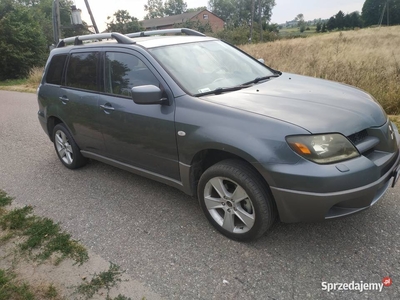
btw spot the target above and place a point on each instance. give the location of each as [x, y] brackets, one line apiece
[78, 99]
[140, 135]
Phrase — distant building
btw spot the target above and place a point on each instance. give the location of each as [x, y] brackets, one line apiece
[204, 16]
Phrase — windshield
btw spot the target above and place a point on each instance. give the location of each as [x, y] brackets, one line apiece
[206, 66]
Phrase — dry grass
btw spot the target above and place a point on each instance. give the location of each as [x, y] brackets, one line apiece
[35, 76]
[396, 120]
[367, 58]
[28, 85]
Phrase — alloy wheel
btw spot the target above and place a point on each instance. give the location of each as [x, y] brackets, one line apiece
[229, 205]
[64, 147]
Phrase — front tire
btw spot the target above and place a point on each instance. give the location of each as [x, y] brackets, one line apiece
[67, 150]
[236, 200]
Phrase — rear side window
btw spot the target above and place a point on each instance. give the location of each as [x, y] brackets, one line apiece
[82, 71]
[54, 74]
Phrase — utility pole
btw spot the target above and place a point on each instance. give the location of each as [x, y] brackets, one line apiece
[252, 21]
[56, 22]
[387, 12]
[386, 7]
[91, 16]
[259, 17]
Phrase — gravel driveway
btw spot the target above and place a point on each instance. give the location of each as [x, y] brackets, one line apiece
[161, 238]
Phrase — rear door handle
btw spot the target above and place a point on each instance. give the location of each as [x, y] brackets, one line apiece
[63, 99]
[107, 107]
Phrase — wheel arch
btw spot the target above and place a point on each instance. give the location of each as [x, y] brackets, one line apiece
[206, 158]
[52, 121]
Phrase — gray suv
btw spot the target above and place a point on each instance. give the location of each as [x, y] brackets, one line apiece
[252, 143]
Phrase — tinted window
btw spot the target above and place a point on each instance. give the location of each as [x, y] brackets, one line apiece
[54, 74]
[124, 71]
[82, 71]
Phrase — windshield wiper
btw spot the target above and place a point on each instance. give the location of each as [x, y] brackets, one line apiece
[223, 90]
[237, 87]
[258, 79]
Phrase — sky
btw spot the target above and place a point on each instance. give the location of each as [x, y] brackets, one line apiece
[285, 10]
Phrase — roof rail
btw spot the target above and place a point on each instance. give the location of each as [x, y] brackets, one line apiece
[186, 31]
[78, 40]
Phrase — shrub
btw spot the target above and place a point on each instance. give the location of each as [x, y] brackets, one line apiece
[22, 43]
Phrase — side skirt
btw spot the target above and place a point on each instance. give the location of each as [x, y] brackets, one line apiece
[184, 171]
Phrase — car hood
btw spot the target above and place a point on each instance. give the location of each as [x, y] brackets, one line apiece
[316, 105]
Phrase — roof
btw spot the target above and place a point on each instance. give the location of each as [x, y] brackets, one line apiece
[158, 41]
[148, 42]
[171, 20]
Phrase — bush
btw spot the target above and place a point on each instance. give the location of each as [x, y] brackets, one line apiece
[196, 25]
[22, 42]
[240, 35]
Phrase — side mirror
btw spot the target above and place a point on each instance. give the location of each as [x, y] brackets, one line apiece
[148, 94]
[261, 60]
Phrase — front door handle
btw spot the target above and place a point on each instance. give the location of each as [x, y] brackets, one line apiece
[107, 107]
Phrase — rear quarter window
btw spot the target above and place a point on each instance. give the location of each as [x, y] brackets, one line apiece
[55, 71]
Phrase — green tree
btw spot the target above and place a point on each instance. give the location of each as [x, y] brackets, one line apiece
[43, 11]
[271, 27]
[372, 11]
[331, 25]
[355, 20]
[266, 7]
[123, 22]
[339, 20]
[300, 19]
[22, 42]
[238, 12]
[225, 9]
[323, 29]
[196, 9]
[154, 8]
[300, 22]
[319, 27]
[174, 7]
[240, 35]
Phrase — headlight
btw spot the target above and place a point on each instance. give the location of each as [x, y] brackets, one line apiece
[323, 149]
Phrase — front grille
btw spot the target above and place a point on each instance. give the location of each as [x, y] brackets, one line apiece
[358, 137]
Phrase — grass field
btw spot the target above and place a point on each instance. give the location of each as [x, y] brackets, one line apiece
[367, 58]
[295, 32]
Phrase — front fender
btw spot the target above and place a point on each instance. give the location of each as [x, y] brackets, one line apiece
[202, 125]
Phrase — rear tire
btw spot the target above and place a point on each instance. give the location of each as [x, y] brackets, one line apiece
[236, 200]
[67, 150]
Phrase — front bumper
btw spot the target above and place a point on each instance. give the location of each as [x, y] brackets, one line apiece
[311, 192]
[298, 206]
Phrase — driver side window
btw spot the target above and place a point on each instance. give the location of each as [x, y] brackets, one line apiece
[124, 71]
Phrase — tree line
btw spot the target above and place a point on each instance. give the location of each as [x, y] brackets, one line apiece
[341, 21]
[374, 12]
